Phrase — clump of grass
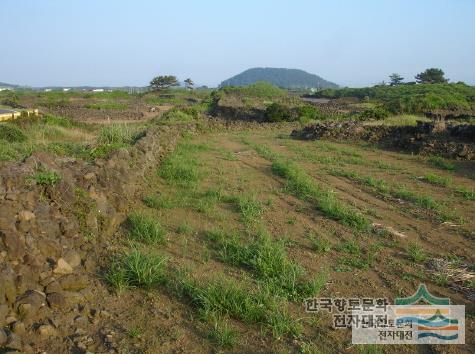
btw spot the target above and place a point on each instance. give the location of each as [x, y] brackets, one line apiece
[300, 184]
[181, 167]
[134, 332]
[46, 178]
[249, 207]
[320, 244]
[424, 201]
[355, 257]
[223, 335]
[184, 229]
[437, 179]
[116, 134]
[136, 269]
[225, 297]
[441, 163]
[144, 229]
[159, 202]
[268, 262]
[441, 279]
[467, 193]
[228, 155]
[402, 192]
[416, 253]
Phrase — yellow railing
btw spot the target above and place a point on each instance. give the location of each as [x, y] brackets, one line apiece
[16, 114]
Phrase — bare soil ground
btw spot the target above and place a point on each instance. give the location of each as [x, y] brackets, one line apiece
[229, 166]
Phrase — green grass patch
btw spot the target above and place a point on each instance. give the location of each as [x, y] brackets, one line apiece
[160, 202]
[441, 163]
[223, 334]
[437, 179]
[249, 207]
[467, 193]
[424, 201]
[136, 269]
[145, 229]
[300, 184]
[355, 257]
[319, 243]
[397, 191]
[119, 134]
[268, 262]
[181, 167]
[416, 253]
[225, 297]
[46, 178]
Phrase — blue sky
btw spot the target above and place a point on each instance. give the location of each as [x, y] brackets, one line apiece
[119, 42]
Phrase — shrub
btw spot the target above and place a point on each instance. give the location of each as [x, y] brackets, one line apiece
[12, 134]
[374, 113]
[412, 98]
[179, 115]
[307, 113]
[277, 112]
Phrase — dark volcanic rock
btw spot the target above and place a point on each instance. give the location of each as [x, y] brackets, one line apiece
[453, 141]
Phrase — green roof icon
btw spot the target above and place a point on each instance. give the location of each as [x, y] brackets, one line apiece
[422, 294]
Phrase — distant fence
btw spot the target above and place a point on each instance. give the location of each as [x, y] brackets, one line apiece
[9, 115]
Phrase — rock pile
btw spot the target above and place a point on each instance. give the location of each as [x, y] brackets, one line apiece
[54, 233]
[449, 140]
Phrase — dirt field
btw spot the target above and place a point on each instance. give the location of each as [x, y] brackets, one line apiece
[236, 194]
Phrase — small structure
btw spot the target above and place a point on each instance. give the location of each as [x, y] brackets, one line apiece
[9, 114]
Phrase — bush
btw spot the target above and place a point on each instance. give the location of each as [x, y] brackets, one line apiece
[12, 134]
[277, 112]
[307, 113]
[179, 115]
[378, 113]
[412, 98]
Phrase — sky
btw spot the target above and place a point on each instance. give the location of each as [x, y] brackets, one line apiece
[118, 42]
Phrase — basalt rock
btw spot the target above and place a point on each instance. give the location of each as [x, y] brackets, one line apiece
[52, 238]
[449, 140]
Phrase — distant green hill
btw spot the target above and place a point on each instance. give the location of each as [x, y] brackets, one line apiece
[285, 78]
[4, 84]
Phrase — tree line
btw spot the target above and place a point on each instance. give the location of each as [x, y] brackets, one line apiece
[429, 76]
